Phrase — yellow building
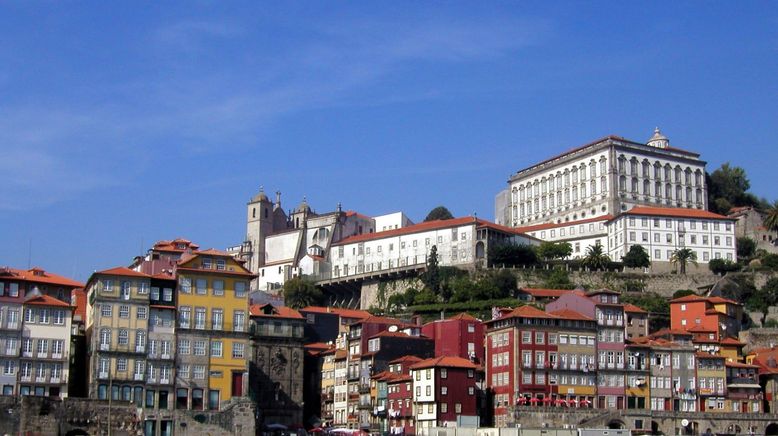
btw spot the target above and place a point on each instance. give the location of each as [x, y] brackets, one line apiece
[711, 382]
[117, 331]
[212, 330]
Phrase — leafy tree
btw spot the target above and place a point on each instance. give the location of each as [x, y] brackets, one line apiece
[770, 261]
[595, 258]
[554, 250]
[765, 297]
[512, 255]
[439, 213]
[299, 293]
[505, 282]
[636, 257]
[431, 277]
[771, 217]
[426, 296]
[653, 303]
[728, 187]
[682, 293]
[683, 257]
[746, 248]
[558, 279]
[770, 323]
[719, 266]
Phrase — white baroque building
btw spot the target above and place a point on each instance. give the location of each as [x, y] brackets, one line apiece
[604, 177]
[662, 230]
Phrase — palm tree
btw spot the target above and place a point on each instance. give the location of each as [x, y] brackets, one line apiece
[682, 257]
[595, 258]
[771, 217]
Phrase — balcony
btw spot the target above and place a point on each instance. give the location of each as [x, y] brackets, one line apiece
[42, 354]
[25, 378]
[57, 356]
[365, 405]
[164, 381]
[140, 349]
[40, 379]
[102, 375]
[55, 380]
[166, 357]
[138, 377]
[364, 389]
[26, 353]
[105, 347]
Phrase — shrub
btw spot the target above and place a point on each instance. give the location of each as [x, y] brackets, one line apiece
[719, 266]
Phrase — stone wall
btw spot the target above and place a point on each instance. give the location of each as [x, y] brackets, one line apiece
[48, 416]
[370, 289]
[759, 337]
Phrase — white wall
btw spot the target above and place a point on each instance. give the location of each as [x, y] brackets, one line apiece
[391, 221]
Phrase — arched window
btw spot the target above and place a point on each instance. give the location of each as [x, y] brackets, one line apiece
[583, 191]
[688, 175]
[678, 193]
[622, 164]
[646, 187]
[698, 195]
[622, 183]
[574, 173]
[646, 169]
[583, 172]
[688, 194]
[657, 170]
[667, 172]
[697, 178]
[677, 174]
[634, 185]
[658, 189]
[668, 191]
[633, 166]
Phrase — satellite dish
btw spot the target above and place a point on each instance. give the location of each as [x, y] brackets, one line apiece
[685, 422]
[392, 328]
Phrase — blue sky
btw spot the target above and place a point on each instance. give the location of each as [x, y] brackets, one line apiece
[122, 123]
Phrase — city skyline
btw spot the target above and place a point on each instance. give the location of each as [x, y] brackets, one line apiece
[121, 126]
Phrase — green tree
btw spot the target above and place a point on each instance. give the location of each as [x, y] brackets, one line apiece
[720, 266]
[746, 248]
[504, 283]
[431, 277]
[771, 217]
[728, 187]
[653, 303]
[439, 213]
[682, 257]
[636, 257]
[512, 255]
[764, 298]
[299, 293]
[554, 250]
[595, 258]
[558, 279]
[682, 293]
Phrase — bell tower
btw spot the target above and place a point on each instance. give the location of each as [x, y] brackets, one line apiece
[259, 224]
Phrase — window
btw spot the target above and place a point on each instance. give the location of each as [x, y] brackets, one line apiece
[184, 317]
[238, 350]
[121, 364]
[124, 311]
[59, 317]
[240, 289]
[126, 286]
[186, 285]
[218, 288]
[199, 372]
[217, 319]
[216, 349]
[141, 313]
[200, 318]
[238, 320]
[199, 348]
[220, 264]
[201, 286]
[154, 293]
[124, 337]
[167, 294]
[443, 373]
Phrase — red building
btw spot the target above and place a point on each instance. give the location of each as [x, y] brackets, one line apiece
[445, 391]
[399, 397]
[719, 316]
[461, 335]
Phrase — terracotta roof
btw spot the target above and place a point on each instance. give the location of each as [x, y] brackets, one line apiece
[122, 271]
[679, 212]
[400, 378]
[172, 245]
[444, 362]
[46, 300]
[699, 329]
[357, 214]
[731, 341]
[214, 252]
[698, 298]
[464, 316]
[406, 359]
[344, 313]
[570, 314]
[666, 331]
[276, 311]
[740, 365]
[78, 299]
[424, 227]
[720, 300]
[548, 293]
[628, 307]
[524, 312]
[545, 226]
[39, 275]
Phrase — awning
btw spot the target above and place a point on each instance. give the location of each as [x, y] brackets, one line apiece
[745, 385]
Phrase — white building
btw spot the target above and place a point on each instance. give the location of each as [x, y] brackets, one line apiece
[459, 242]
[45, 355]
[396, 220]
[580, 234]
[605, 177]
[662, 230]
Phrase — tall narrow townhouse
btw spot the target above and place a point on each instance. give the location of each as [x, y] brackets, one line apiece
[161, 353]
[445, 393]
[711, 382]
[573, 374]
[637, 371]
[43, 366]
[212, 331]
[604, 306]
[117, 328]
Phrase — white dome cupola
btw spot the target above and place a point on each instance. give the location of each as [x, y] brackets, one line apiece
[658, 140]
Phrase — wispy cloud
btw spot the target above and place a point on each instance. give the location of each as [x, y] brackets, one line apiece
[194, 105]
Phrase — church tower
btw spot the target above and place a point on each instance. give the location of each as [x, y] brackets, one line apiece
[658, 140]
[259, 224]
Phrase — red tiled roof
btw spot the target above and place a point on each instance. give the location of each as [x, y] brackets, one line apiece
[720, 300]
[277, 311]
[426, 226]
[699, 329]
[444, 362]
[524, 312]
[78, 299]
[666, 331]
[731, 341]
[214, 252]
[406, 359]
[628, 307]
[545, 226]
[679, 212]
[122, 271]
[740, 365]
[171, 245]
[464, 316]
[39, 275]
[46, 300]
[548, 293]
[570, 314]
[699, 298]
[343, 313]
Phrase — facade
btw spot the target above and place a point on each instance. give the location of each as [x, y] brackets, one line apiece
[462, 242]
[161, 352]
[744, 394]
[399, 395]
[444, 392]
[711, 382]
[44, 366]
[117, 328]
[750, 224]
[325, 324]
[460, 335]
[638, 373]
[276, 367]
[637, 321]
[212, 330]
[717, 316]
[581, 234]
[605, 177]
[662, 230]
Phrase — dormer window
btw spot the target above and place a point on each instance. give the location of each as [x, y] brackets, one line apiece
[206, 263]
[220, 264]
